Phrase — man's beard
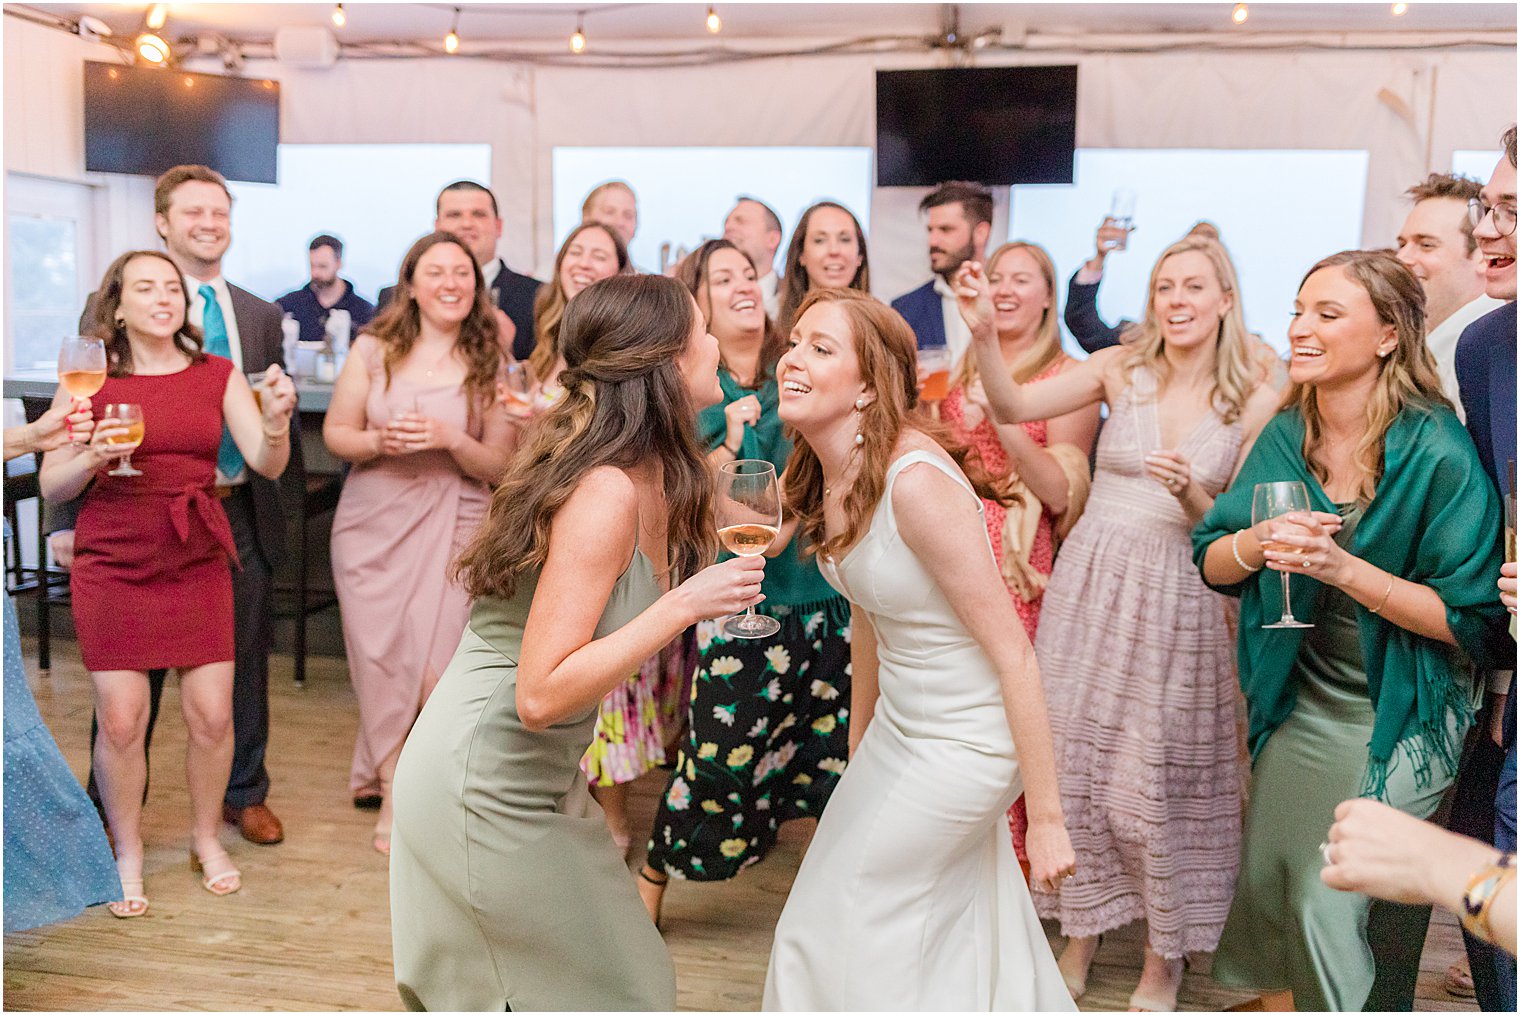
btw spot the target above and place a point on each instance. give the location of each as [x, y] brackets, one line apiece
[957, 258]
[323, 286]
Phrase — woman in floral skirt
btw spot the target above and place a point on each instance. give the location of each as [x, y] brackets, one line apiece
[769, 719]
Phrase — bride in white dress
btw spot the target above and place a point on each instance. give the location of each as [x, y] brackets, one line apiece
[910, 896]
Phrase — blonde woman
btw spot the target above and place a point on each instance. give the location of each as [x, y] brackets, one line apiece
[1047, 460]
[1132, 645]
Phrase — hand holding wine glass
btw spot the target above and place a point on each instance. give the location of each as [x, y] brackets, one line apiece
[69, 423]
[1269, 502]
[120, 432]
[748, 510]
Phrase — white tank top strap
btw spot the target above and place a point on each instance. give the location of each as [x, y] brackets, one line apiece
[913, 458]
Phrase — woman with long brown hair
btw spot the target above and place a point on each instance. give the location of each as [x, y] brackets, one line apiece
[910, 896]
[152, 579]
[1046, 460]
[767, 718]
[827, 251]
[1394, 568]
[415, 411]
[590, 253]
[506, 889]
[1134, 648]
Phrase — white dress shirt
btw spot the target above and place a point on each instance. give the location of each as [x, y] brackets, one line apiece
[490, 270]
[197, 315]
[957, 334]
[770, 294]
[1442, 343]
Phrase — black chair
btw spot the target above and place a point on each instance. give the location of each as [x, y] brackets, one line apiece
[313, 496]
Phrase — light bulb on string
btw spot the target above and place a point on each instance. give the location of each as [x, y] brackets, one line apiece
[339, 19]
[578, 37]
[157, 15]
[714, 23]
[451, 41]
[1399, 10]
[1240, 13]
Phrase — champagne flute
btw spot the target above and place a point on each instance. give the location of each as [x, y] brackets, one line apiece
[748, 513]
[82, 365]
[1271, 500]
[124, 414]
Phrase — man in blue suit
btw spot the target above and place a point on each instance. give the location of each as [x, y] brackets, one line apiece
[959, 220]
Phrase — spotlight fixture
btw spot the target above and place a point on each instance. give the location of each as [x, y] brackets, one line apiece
[1240, 13]
[1399, 10]
[156, 16]
[714, 23]
[152, 49]
[339, 19]
[578, 37]
[451, 41]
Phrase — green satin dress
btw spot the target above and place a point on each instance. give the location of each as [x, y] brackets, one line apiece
[1287, 929]
[506, 889]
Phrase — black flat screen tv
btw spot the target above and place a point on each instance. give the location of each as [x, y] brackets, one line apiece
[992, 125]
[145, 120]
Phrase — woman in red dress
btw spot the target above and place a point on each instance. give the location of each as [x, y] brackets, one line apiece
[151, 582]
[1047, 459]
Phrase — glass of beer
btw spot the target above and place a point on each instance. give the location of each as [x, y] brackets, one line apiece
[934, 368]
[124, 414]
[748, 512]
[82, 365]
[256, 382]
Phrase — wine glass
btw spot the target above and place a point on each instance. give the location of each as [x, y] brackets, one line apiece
[1270, 500]
[82, 365]
[517, 389]
[124, 414]
[1121, 213]
[748, 513]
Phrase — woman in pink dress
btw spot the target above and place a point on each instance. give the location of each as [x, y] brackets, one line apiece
[1047, 460]
[151, 580]
[415, 411]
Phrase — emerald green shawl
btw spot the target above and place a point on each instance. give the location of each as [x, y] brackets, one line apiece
[1433, 520]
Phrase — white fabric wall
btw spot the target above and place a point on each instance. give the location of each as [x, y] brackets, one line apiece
[1308, 98]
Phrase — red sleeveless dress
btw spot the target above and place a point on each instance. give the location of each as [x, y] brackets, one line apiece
[151, 583]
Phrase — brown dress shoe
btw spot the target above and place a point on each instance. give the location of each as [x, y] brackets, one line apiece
[257, 823]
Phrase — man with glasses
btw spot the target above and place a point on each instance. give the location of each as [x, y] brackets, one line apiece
[1486, 376]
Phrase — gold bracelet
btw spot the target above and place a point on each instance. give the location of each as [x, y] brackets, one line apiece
[1482, 889]
[1235, 549]
[1384, 601]
[274, 439]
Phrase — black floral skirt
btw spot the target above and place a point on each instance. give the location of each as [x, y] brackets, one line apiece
[767, 740]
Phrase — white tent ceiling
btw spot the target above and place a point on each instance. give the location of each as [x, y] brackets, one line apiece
[612, 23]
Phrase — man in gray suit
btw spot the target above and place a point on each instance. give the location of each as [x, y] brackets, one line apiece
[193, 214]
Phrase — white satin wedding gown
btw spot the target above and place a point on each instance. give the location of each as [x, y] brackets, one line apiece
[910, 896]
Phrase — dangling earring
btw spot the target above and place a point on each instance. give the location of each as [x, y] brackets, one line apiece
[860, 404]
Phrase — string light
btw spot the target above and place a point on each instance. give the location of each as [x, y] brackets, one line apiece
[1399, 10]
[451, 41]
[1240, 13]
[714, 23]
[152, 48]
[339, 19]
[157, 15]
[578, 37]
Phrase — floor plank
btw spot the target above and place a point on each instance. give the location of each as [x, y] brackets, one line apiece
[310, 929]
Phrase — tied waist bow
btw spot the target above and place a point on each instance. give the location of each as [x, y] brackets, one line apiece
[210, 513]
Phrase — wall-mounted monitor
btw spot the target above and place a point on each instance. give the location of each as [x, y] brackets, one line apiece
[992, 125]
[145, 120]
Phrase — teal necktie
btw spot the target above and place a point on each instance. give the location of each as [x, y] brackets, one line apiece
[228, 458]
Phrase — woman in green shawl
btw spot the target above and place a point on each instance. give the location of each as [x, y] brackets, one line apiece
[1393, 567]
[768, 724]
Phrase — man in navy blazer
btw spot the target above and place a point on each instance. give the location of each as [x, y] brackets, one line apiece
[1486, 380]
[959, 219]
[468, 210]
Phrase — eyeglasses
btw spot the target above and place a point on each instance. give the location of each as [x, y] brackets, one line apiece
[1504, 215]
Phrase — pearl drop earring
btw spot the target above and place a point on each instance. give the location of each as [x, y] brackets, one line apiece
[860, 404]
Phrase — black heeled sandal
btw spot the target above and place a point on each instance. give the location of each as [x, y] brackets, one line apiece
[660, 881]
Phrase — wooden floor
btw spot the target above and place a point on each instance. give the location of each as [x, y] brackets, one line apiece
[310, 929]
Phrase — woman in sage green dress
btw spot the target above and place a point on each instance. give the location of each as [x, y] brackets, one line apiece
[506, 888]
[1394, 568]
